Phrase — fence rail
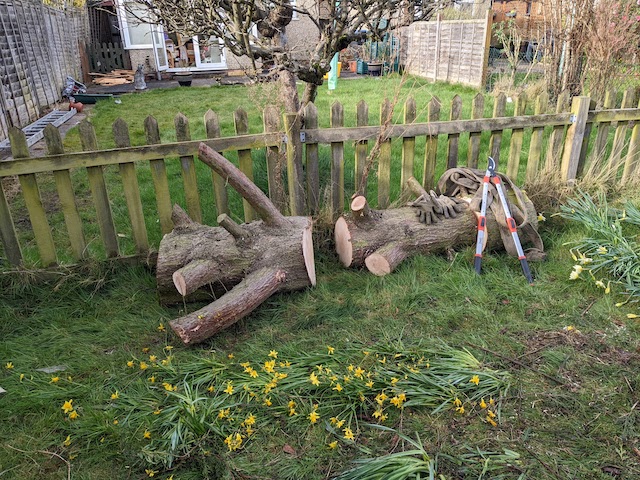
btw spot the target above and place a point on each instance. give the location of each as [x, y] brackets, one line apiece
[130, 206]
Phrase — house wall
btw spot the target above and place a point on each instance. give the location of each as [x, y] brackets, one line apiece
[531, 24]
[38, 50]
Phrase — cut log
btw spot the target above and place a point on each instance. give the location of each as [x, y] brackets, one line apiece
[239, 266]
[382, 239]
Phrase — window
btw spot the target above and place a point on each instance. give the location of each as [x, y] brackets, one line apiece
[134, 31]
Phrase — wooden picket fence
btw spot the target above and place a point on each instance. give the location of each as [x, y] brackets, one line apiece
[569, 133]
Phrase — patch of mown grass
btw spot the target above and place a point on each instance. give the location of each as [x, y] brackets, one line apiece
[570, 412]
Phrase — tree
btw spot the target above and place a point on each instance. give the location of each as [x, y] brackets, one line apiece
[256, 29]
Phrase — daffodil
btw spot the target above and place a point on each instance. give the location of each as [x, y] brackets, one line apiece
[269, 366]
[578, 268]
[21, 376]
[600, 284]
[483, 404]
[380, 398]
[337, 388]
[73, 414]
[313, 378]
[157, 411]
[233, 441]
[145, 350]
[369, 384]
[8, 365]
[359, 372]
[250, 420]
[475, 380]
[67, 406]
[273, 354]
[460, 409]
[632, 315]
[115, 395]
[574, 275]
[153, 358]
[229, 389]
[143, 366]
[146, 435]
[152, 379]
[330, 350]
[333, 445]
[55, 379]
[150, 472]
[115, 421]
[161, 328]
[457, 402]
[602, 250]
[231, 356]
[348, 434]
[491, 414]
[491, 421]
[541, 217]
[67, 441]
[267, 401]
[130, 364]
[398, 400]
[313, 417]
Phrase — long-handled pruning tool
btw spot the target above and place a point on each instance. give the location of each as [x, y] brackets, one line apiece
[491, 177]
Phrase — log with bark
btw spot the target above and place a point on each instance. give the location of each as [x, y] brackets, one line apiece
[382, 239]
[253, 260]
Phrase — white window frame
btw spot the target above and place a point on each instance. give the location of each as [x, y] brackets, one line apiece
[124, 29]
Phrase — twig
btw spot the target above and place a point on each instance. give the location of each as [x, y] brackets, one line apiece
[516, 362]
[586, 310]
[45, 452]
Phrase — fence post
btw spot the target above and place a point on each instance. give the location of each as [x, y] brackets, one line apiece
[408, 144]
[294, 164]
[574, 139]
[633, 154]
[311, 155]
[487, 45]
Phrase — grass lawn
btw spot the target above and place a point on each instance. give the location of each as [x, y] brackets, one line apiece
[487, 376]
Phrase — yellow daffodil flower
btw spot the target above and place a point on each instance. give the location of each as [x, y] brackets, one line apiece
[152, 379]
[150, 472]
[483, 404]
[161, 328]
[229, 389]
[269, 366]
[491, 422]
[73, 415]
[348, 434]
[313, 417]
[574, 275]
[146, 435]
[602, 250]
[333, 445]
[55, 379]
[67, 406]
[67, 441]
[130, 364]
[153, 358]
[115, 421]
[8, 365]
[115, 395]
[143, 366]
[313, 378]
[337, 388]
[632, 315]
[273, 354]
[475, 380]
[230, 356]
[267, 401]
[157, 411]
[330, 350]
[460, 409]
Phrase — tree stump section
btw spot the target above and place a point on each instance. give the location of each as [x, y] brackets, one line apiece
[254, 260]
[382, 239]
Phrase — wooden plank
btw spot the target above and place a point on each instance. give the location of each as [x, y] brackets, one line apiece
[64, 187]
[312, 159]
[245, 162]
[499, 108]
[362, 149]
[633, 155]
[295, 176]
[454, 138]
[585, 140]
[477, 111]
[212, 128]
[33, 202]
[535, 147]
[337, 162]
[554, 147]
[620, 136]
[408, 144]
[188, 165]
[600, 144]
[99, 192]
[517, 135]
[131, 188]
[8, 234]
[275, 160]
[159, 177]
[384, 155]
[431, 147]
[574, 138]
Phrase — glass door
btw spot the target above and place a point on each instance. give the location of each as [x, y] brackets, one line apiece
[209, 52]
[159, 48]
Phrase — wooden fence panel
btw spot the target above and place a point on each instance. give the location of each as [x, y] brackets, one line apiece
[517, 136]
[66, 195]
[554, 147]
[384, 158]
[245, 162]
[271, 123]
[454, 139]
[312, 158]
[431, 147]
[408, 144]
[337, 162]
[188, 165]
[8, 232]
[633, 154]
[212, 129]
[600, 144]
[620, 136]
[159, 177]
[295, 175]
[477, 111]
[131, 189]
[362, 148]
[537, 134]
[499, 108]
[99, 192]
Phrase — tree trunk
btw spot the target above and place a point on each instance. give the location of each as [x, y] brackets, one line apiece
[382, 239]
[248, 262]
[289, 91]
